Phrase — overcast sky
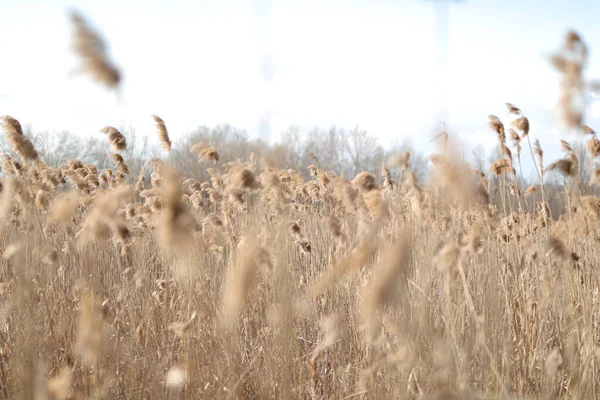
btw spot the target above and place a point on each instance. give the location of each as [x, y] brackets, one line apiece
[370, 63]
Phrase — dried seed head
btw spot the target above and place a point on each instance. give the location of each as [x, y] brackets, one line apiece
[205, 152]
[59, 387]
[176, 224]
[530, 190]
[521, 124]
[553, 363]
[92, 51]
[364, 182]
[242, 178]
[182, 329]
[497, 126]
[64, 206]
[388, 182]
[513, 109]
[595, 177]
[565, 146]
[91, 340]
[587, 130]
[176, 377]
[390, 272]
[593, 147]
[163, 135]
[502, 166]
[558, 249]
[565, 166]
[401, 160]
[242, 277]
[18, 141]
[115, 138]
[41, 201]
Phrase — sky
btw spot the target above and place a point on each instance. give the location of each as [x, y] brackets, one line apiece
[372, 64]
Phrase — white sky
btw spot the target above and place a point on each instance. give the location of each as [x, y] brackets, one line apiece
[366, 63]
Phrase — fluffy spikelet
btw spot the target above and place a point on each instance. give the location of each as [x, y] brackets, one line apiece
[182, 329]
[401, 160]
[18, 141]
[6, 204]
[335, 226]
[348, 264]
[557, 248]
[587, 130]
[90, 48]
[521, 124]
[41, 200]
[122, 168]
[530, 190]
[101, 220]
[565, 166]
[388, 182]
[242, 277]
[539, 153]
[502, 166]
[391, 270]
[176, 225]
[205, 152]
[376, 204]
[347, 194]
[163, 134]
[140, 184]
[514, 136]
[242, 178]
[565, 146]
[453, 177]
[364, 182]
[91, 341]
[115, 138]
[448, 257]
[593, 147]
[497, 126]
[59, 387]
[176, 377]
[570, 61]
[472, 241]
[553, 363]
[591, 208]
[512, 109]
[415, 193]
[11, 166]
[595, 177]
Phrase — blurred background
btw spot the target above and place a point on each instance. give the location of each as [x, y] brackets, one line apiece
[397, 70]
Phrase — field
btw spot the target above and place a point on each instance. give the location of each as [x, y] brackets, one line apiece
[262, 282]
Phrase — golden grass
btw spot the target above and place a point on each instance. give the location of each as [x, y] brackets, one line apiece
[258, 283]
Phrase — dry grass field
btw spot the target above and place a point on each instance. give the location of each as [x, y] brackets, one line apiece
[259, 283]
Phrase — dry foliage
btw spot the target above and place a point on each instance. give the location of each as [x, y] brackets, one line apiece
[258, 283]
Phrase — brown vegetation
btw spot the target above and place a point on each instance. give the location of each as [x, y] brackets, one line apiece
[254, 281]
